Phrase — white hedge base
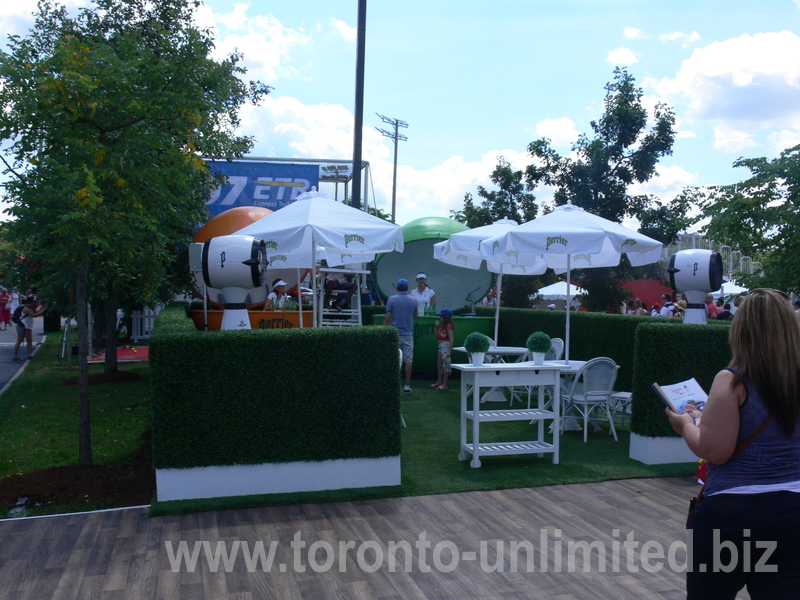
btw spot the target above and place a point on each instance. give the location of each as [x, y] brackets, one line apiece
[660, 450]
[276, 478]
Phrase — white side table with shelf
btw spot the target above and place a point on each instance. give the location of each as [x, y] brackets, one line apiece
[508, 375]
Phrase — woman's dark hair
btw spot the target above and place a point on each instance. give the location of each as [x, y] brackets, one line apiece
[765, 341]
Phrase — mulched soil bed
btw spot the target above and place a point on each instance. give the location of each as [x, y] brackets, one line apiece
[112, 486]
[131, 484]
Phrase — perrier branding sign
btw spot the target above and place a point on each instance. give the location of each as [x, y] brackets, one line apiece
[556, 239]
[353, 237]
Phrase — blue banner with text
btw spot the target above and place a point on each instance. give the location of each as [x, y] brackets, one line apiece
[270, 185]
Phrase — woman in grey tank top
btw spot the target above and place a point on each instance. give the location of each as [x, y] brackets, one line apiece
[746, 530]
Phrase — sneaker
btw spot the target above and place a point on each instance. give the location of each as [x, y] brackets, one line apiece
[407, 389]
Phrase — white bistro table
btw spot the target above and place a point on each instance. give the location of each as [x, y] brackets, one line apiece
[508, 375]
[501, 353]
[498, 354]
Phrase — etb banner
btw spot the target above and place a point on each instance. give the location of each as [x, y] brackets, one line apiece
[270, 185]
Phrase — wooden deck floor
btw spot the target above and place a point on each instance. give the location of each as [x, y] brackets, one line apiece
[126, 554]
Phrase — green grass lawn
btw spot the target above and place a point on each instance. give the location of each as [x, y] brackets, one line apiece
[39, 429]
[39, 415]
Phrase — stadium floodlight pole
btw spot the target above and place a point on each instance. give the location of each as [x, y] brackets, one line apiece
[396, 136]
[359, 112]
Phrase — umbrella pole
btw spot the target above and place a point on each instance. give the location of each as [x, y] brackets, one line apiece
[497, 305]
[569, 297]
[299, 299]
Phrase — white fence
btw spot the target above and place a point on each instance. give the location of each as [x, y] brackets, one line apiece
[143, 323]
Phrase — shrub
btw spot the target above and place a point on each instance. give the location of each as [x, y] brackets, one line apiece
[477, 342]
[538, 341]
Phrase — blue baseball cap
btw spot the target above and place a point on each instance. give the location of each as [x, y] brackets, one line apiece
[402, 285]
[445, 312]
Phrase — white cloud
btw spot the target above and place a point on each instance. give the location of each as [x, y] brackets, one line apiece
[265, 42]
[743, 85]
[621, 56]
[783, 139]
[731, 140]
[632, 33]
[349, 33]
[687, 39]
[435, 192]
[16, 18]
[561, 132]
[668, 182]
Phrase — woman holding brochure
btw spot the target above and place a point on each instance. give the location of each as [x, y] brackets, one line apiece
[745, 530]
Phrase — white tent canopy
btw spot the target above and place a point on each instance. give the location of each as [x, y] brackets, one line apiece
[567, 238]
[558, 291]
[729, 288]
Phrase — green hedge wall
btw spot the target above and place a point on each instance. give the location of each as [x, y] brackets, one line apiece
[647, 349]
[261, 396]
[667, 354]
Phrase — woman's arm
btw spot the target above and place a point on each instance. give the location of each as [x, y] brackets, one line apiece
[715, 438]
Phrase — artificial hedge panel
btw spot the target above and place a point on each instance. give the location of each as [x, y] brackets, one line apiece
[592, 334]
[667, 354]
[261, 396]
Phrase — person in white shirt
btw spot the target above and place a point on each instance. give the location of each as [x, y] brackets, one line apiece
[668, 309]
[423, 293]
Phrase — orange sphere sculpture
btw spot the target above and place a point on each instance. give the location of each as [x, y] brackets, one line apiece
[230, 221]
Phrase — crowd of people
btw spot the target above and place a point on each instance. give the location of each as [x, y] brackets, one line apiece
[719, 309]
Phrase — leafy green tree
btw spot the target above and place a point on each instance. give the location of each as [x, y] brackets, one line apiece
[624, 149]
[105, 117]
[761, 217]
[509, 201]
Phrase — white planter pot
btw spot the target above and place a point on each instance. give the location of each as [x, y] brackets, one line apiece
[660, 450]
[538, 358]
[477, 358]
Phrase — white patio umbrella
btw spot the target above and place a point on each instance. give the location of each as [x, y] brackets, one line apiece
[567, 238]
[462, 249]
[315, 227]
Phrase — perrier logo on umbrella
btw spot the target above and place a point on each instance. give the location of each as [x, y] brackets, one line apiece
[352, 237]
[271, 244]
[629, 242]
[557, 239]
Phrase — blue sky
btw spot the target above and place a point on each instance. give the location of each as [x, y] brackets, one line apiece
[477, 79]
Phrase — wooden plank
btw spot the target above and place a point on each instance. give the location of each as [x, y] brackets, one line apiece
[122, 554]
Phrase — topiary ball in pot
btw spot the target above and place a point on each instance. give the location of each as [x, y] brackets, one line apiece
[538, 341]
[477, 342]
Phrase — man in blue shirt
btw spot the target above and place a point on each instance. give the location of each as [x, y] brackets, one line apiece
[401, 310]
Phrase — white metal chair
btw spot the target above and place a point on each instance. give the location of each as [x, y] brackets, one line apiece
[589, 395]
[556, 349]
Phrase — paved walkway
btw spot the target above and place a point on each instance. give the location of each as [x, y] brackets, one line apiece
[8, 366]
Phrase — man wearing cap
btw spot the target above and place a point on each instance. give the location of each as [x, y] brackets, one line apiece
[401, 310]
[423, 293]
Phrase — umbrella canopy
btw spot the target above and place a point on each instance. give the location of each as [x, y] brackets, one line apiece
[314, 227]
[463, 249]
[558, 291]
[569, 237]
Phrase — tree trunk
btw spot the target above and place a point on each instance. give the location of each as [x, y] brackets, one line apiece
[110, 365]
[84, 422]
